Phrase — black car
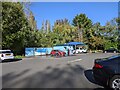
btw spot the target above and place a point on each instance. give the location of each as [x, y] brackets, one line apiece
[106, 71]
[111, 50]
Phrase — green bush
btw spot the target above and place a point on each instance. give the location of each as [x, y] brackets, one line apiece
[19, 57]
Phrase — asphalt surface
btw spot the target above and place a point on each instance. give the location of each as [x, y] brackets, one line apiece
[50, 72]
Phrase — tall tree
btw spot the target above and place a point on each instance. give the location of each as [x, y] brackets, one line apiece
[43, 26]
[65, 31]
[14, 26]
[47, 26]
[32, 21]
[83, 23]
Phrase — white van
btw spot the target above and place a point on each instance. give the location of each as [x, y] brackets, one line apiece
[6, 54]
[81, 50]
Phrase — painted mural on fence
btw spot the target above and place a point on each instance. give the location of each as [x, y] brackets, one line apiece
[37, 51]
[44, 51]
[29, 51]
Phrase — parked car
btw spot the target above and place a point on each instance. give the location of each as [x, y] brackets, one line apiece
[111, 50]
[57, 53]
[6, 54]
[80, 50]
[106, 71]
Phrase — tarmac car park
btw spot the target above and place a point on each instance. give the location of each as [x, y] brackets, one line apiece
[49, 72]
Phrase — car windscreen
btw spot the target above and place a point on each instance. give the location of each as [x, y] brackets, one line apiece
[5, 52]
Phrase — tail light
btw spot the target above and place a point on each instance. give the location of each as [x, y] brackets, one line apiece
[2, 55]
[98, 66]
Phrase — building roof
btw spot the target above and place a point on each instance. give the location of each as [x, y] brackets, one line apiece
[63, 45]
[75, 43]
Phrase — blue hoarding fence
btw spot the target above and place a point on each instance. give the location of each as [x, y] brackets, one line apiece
[29, 51]
[37, 51]
[46, 51]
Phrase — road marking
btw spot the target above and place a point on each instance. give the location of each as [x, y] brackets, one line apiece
[74, 60]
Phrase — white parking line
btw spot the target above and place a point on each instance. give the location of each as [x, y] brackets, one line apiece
[74, 60]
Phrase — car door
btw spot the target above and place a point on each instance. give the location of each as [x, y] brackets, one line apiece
[117, 60]
[119, 66]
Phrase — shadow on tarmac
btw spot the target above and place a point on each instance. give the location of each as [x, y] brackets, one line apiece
[11, 60]
[89, 76]
[68, 77]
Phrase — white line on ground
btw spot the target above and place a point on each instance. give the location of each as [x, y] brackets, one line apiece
[74, 60]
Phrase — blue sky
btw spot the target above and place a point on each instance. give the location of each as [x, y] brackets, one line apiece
[52, 11]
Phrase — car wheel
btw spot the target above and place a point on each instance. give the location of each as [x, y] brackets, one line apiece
[83, 52]
[115, 82]
[56, 54]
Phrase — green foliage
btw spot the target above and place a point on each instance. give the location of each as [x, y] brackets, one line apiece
[32, 22]
[83, 23]
[14, 27]
[109, 44]
[111, 34]
[19, 57]
[65, 32]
